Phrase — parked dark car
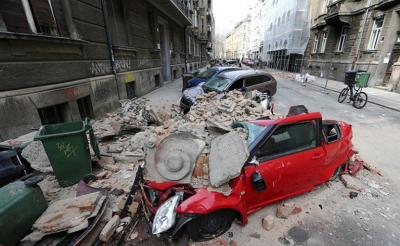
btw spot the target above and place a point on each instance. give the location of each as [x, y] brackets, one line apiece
[227, 81]
[208, 74]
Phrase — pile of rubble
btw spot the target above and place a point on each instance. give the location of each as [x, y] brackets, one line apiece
[133, 135]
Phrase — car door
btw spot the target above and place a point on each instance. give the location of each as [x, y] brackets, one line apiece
[289, 164]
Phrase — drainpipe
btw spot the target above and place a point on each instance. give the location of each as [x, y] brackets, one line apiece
[361, 34]
[184, 44]
[109, 44]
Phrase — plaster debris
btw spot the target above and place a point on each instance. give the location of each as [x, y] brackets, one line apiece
[35, 154]
[228, 153]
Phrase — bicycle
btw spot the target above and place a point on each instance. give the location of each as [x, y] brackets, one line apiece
[359, 99]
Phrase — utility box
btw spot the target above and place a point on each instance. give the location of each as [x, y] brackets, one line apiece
[20, 207]
[362, 79]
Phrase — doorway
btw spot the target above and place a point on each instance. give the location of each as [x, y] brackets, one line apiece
[164, 47]
[393, 58]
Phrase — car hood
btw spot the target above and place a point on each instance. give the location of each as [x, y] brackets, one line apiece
[192, 92]
[194, 82]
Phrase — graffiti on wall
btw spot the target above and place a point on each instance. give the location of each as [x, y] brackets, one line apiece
[102, 92]
[144, 63]
[72, 93]
[98, 68]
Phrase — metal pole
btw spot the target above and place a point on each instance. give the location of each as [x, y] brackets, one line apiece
[327, 76]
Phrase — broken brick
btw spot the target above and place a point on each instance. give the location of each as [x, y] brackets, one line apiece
[110, 167]
[86, 207]
[101, 175]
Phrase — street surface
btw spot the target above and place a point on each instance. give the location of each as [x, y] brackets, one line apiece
[329, 216]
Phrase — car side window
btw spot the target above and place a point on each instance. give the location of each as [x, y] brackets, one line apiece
[289, 139]
[264, 78]
[250, 81]
[236, 85]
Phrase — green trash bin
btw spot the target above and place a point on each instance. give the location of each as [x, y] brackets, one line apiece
[362, 79]
[67, 148]
[20, 207]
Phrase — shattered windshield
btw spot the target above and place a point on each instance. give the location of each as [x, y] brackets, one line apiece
[253, 130]
[217, 83]
[206, 74]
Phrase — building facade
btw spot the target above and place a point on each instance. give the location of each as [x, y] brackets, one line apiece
[356, 35]
[238, 41]
[257, 29]
[64, 60]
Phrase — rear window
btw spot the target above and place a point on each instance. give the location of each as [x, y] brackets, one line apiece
[207, 74]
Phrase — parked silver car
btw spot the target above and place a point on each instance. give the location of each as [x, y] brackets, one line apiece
[227, 81]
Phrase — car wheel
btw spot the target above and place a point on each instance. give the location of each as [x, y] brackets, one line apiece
[336, 173]
[209, 226]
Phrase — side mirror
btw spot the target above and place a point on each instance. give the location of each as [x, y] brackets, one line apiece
[258, 181]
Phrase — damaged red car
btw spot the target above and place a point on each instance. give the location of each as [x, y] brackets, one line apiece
[285, 157]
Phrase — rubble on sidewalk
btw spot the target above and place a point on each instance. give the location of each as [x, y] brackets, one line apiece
[174, 146]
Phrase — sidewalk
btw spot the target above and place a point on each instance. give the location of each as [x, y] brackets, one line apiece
[390, 100]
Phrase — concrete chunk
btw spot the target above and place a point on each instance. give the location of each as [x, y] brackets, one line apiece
[109, 229]
[227, 156]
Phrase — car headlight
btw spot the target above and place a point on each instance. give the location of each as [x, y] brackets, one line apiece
[166, 215]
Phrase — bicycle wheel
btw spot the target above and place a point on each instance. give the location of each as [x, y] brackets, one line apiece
[360, 99]
[343, 94]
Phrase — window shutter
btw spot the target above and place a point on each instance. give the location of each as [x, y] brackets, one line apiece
[42, 11]
[14, 16]
[59, 15]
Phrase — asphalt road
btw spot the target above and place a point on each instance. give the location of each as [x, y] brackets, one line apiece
[329, 216]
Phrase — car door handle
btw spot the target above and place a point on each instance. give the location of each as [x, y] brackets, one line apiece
[317, 156]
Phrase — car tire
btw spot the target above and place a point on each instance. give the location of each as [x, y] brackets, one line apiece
[209, 226]
[336, 173]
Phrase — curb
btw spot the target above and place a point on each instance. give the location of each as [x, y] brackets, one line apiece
[369, 101]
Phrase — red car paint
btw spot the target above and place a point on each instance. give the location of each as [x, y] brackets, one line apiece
[285, 176]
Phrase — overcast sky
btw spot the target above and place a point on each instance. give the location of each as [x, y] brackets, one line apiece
[229, 12]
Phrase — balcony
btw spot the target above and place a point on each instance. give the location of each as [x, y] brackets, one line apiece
[336, 16]
[384, 4]
[203, 38]
[175, 9]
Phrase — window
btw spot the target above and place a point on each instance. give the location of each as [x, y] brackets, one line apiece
[288, 15]
[375, 33]
[342, 38]
[53, 114]
[244, 37]
[190, 44]
[323, 44]
[85, 107]
[34, 16]
[315, 47]
[195, 18]
[289, 139]
[202, 25]
[264, 78]
[250, 81]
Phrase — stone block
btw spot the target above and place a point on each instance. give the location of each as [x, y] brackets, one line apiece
[268, 222]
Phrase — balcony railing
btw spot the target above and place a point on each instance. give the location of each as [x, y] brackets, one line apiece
[182, 7]
[175, 9]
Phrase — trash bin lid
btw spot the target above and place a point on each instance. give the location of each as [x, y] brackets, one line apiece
[352, 71]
